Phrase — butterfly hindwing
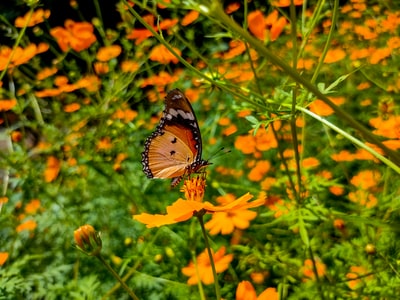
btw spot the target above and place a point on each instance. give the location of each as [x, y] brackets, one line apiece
[174, 149]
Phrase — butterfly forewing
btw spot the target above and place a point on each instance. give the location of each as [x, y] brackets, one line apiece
[174, 149]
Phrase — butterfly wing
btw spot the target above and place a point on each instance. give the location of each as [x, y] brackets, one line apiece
[174, 149]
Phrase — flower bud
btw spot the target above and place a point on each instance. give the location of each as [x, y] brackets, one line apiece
[88, 240]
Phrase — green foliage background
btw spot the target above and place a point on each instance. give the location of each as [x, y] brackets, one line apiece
[44, 264]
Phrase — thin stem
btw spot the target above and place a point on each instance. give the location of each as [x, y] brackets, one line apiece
[116, 276]
[328, 42]
[199, 284]
[210, 255]
[218, 13]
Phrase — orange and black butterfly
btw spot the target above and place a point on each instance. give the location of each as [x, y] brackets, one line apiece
[173, 150]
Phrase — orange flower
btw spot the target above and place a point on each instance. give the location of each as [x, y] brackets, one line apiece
[365, 32]
[388, 127]
[232, 7]
[379, 54]
[72, 107]
[364, 198]
[13, 57]
[280, 207]
[225, 222]
[334, 55]
[246, 291]
[52, 169]
[162, 79]
[108, 53]
[183, 210]
[308, 268]
[277, 28]
[118, 160]
[357, 274]
[310, 162]
[366, 179]
[125, 114]
[129, 66]
[246, 144]
[91, 83]
[286, 3]
[203, 268]
[29, 225]
[7, 104]
[190, 17]
[3, 258]
[260, 169]
[142, 34]
[46, 72]
[104, 144]
[322, 109]
[229, 130]
[236, 48]
[161, 54]
[305, 63]
[88, 240]
[101, 67]
[257, 24]
[29, 20]
[265, 139]
[32, 207]
[76, 35]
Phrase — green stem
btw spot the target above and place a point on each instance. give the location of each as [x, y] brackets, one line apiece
[218, 13]
[116, 276]
[17, 42]
[210, 255]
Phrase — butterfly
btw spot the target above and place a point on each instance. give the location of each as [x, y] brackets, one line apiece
[173, 150]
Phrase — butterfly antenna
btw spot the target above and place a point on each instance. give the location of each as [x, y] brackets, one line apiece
[219, 152]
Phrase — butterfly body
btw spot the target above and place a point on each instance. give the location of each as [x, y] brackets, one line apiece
[174, 149]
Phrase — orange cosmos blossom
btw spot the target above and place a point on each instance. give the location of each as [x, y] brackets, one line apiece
[366, 179]
[37, 17]
[12, 57]
[182, 210]
[3, 258]
[46, 72]
[204, 269]
[109, 52]
[129, 66]
[225, 222]
[285, 3]
[334, 55]
[246, 291]
[7, 104]
[29, 225]
[322, 109]
[161, 54]
[52, 169]
[75, 35]
[32, 207]
[142, 34]
[308, 269]
[357, 277]
[388, 127]
[190, 17]
[269, 27]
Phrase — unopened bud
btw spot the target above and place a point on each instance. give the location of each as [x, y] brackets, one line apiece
[88, 240]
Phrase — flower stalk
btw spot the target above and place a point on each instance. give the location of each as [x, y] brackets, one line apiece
[210, 255]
